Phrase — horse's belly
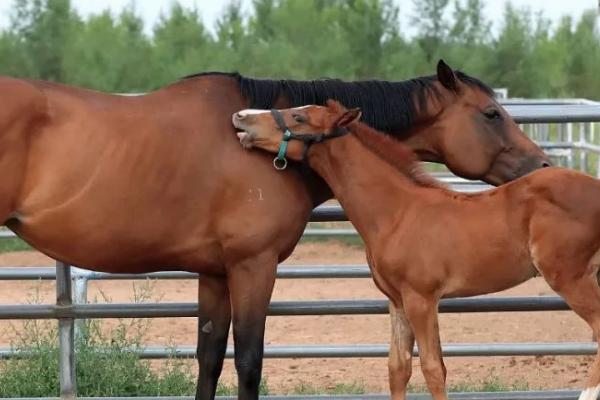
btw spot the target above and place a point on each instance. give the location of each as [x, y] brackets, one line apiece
[489, 276]
[122, 250]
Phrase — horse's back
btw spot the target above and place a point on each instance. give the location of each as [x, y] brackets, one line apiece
[565, 206]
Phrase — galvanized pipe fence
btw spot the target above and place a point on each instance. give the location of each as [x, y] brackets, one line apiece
[71, 283]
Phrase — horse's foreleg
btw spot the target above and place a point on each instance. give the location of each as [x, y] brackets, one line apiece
[401, 347]
[250, 286]
[214, 318]
[421, 312]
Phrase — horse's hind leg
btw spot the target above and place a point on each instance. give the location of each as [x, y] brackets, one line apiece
[583, 296]
[214, 318]
[401, 347]
[250, 286]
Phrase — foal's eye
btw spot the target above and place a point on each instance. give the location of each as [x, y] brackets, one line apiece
[492, 114]
[299, 118]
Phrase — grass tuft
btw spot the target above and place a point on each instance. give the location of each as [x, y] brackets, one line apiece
[307, 389]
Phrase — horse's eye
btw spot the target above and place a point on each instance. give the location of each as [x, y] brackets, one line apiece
[492, 114]
[299, 118]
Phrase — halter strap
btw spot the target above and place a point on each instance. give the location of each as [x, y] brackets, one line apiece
[280, 161]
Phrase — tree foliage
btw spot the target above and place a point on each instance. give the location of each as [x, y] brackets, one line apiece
[349, 39]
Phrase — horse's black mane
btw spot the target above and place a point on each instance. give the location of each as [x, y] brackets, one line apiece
[386, 106]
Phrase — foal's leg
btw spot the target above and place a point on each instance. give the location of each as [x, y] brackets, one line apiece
[214, 318]
[583, 296]
[250, 286]
[421, 312]
[401, 347]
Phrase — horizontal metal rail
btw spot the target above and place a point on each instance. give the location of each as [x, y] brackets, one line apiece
[362, 350]
[284, 271]
[553, 113]
[546, 102]
[516, 395]
[278, 308]
[330, 232]
[570, 146]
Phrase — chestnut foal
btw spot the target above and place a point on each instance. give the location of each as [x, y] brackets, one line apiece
[425, 242]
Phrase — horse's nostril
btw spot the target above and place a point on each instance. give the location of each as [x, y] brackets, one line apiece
[546, 164]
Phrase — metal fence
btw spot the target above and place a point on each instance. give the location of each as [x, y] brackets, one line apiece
[71, 283]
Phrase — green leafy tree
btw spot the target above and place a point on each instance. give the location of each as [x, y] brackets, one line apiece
[432, 26]
[112, 54]
[182, 44]
[43, 29]
[308, 44]
[469, 37]
[512, 65]
[367, 25]
[584, 58]
[308, 39]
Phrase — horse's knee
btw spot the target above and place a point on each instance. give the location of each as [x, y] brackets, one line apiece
[249, 370]
[400, 364]
[211, 361]
[434, 370]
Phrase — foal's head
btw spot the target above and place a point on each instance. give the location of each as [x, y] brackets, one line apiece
[267, 130]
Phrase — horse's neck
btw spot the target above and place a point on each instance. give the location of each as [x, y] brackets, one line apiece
[421, 136]
[368, 188]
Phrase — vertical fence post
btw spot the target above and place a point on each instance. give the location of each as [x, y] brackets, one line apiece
[584, 134]
[80, 289]
[66, 342]
[543, 131]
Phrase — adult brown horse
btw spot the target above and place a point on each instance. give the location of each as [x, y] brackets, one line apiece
[425, 242]
[155, 182]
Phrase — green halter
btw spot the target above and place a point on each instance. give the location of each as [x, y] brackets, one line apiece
[280, 162]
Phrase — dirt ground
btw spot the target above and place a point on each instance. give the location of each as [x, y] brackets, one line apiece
[284, 375]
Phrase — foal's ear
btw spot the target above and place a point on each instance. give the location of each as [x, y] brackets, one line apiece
[348, 117]
[446, 76]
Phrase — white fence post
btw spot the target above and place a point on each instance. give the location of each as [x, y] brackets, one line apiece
[80, 289]
[66, 342]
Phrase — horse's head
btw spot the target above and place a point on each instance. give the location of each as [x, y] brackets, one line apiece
[461, 124]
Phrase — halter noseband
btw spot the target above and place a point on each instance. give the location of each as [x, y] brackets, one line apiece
[280, 162]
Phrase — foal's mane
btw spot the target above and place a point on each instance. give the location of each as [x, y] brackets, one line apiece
[387, 106]
[392, 151]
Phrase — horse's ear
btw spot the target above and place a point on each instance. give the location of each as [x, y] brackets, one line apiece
[348, 117]
[446, 76]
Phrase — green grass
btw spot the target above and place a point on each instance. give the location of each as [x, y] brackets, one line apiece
[307, 389]
[489, 384]
[231, 390]
[104, 364]
[107, 360]
[13, 244]
[352, 241]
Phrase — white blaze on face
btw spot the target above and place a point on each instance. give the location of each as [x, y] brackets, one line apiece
[590, 393]
[252, 111]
